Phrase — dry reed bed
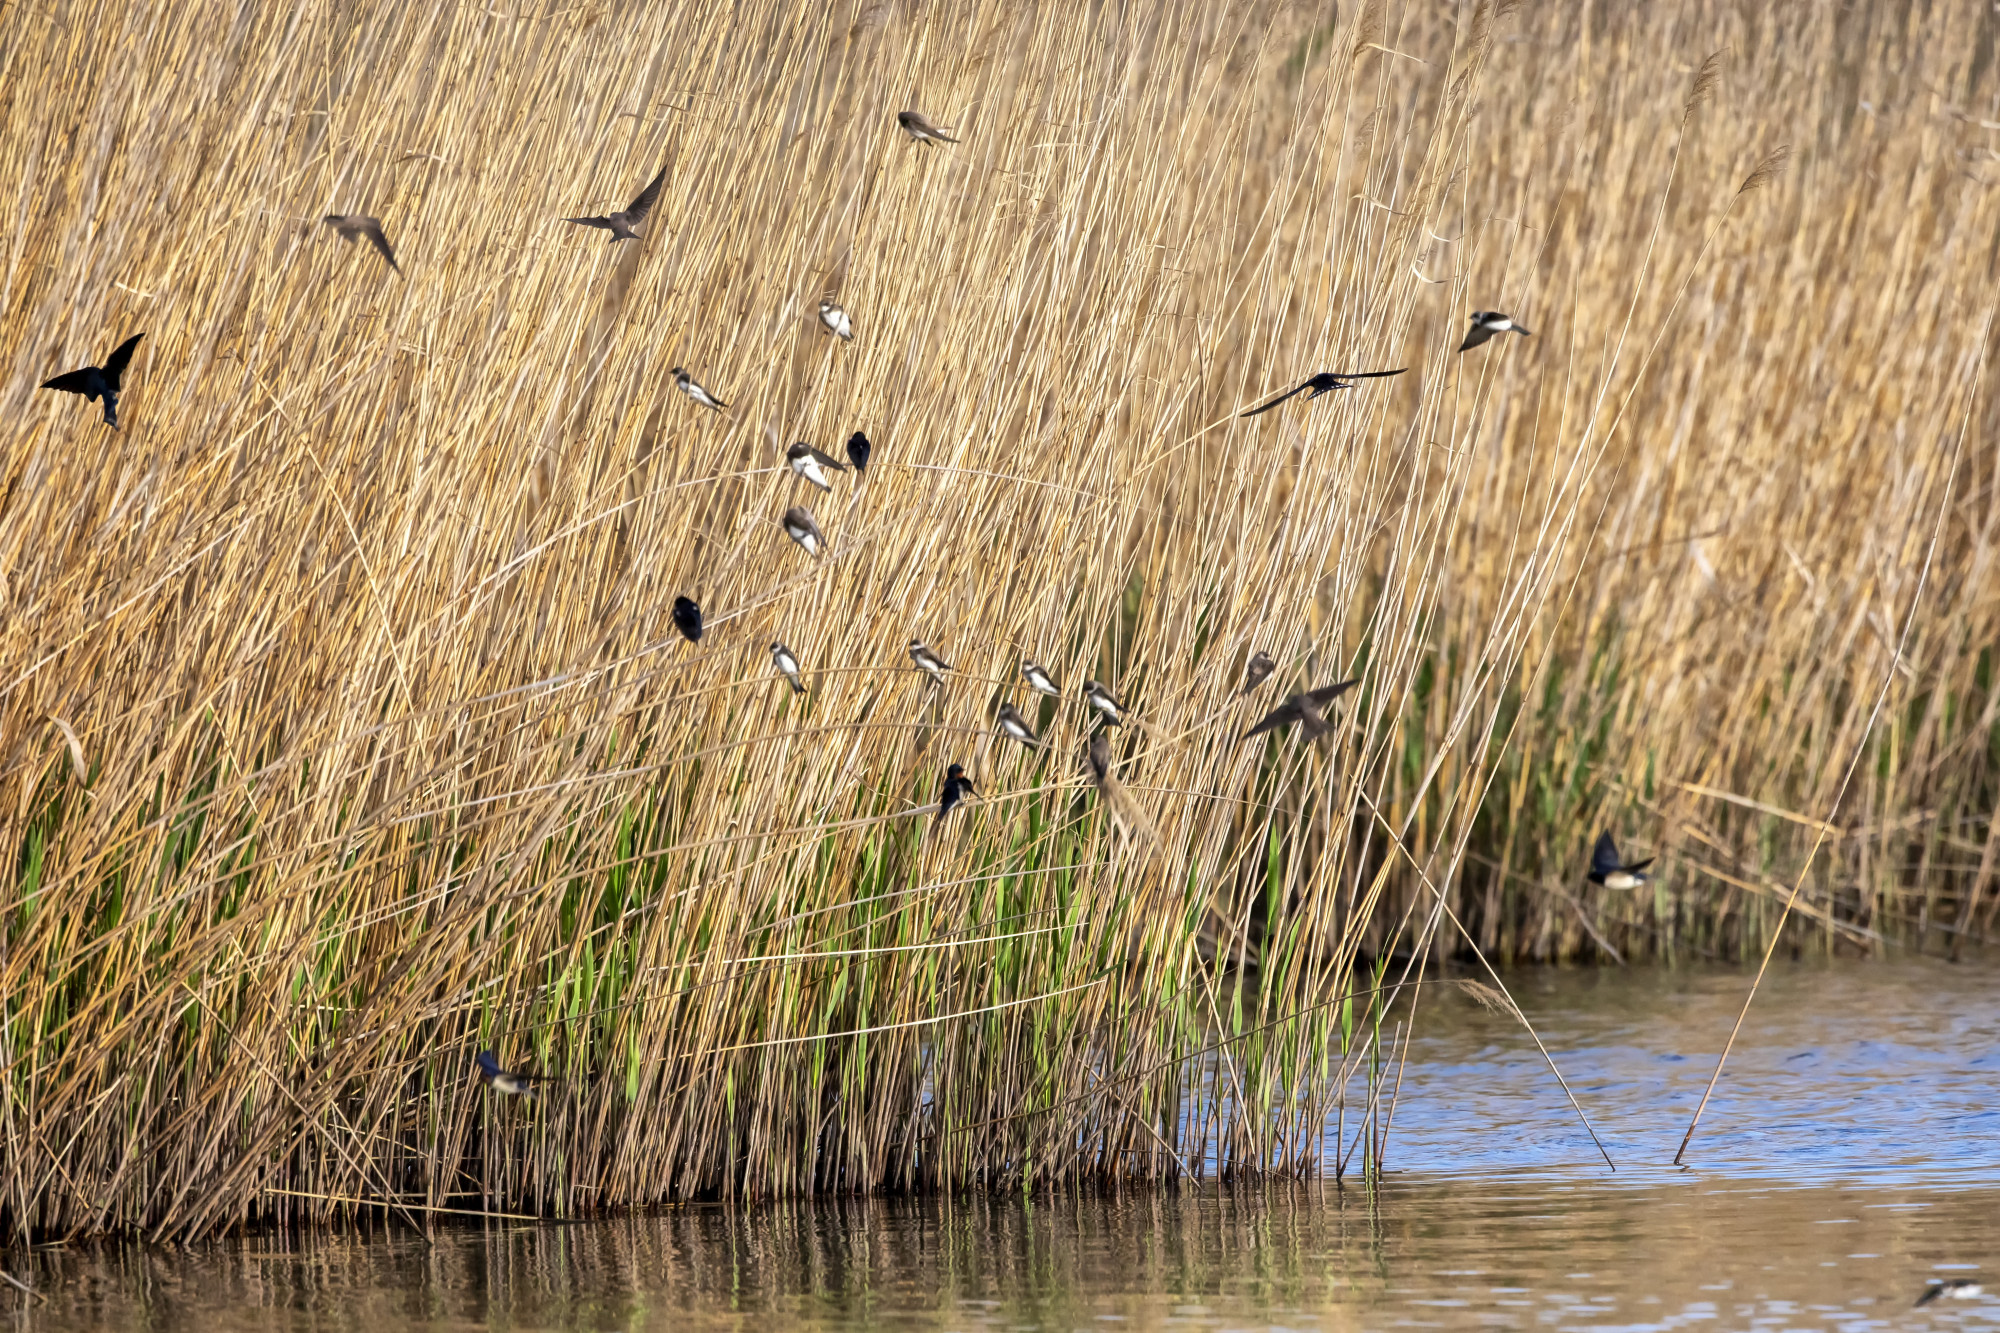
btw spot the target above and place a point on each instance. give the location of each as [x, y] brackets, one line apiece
[386, 748]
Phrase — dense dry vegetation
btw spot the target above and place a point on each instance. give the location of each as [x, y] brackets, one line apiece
[345, 730]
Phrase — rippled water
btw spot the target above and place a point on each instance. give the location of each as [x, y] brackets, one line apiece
[1852, 1153]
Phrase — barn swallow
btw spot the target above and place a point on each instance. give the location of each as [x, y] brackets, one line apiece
[1304, 709]
[928, 660]
[799, 526]
[1951, 1289]
[788, 666]
[498, 1079]
[685, 383]
[1608, 869]
[1260, 666]
[687, 618]
[858, 450]
[919, 127]
[1486, 323]
[95, 382]
[808, 462]
[621, 223]
[957, 787]
[350, 226]
[1105, 702]
[836, 321]
[1325, 382]
[1039, 679]
[1014, 725]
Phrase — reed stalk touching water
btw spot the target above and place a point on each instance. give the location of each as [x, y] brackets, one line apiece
[347, 731]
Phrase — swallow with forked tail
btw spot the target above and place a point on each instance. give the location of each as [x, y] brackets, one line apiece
[1325, 382]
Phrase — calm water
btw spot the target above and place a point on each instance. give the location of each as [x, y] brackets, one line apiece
[1853, 1152]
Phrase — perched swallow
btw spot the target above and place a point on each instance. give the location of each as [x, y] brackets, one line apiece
[919, 127]
[1607, 869]
[1098, 755]
[1105, 702]
[685, 383]
[788, 666]
[1304, 709]
[687, 618]
[1486, 323]
[95, 382]
[928, 660]
[858, 450]
[621, 223]
[957, 787]
[836, 321]
[1260, 666]
[799, 526]
[351, 226]
[1039, 679]
[498, 1079]
[808, 462]
[1014, 725]
[1951, 1289]
[1325, 382]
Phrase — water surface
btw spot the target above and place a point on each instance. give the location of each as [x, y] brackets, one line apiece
[1852, 1152]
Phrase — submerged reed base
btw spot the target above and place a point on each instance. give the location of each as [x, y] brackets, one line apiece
[347, 731]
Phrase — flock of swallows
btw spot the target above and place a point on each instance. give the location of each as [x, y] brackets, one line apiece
[1303, 708]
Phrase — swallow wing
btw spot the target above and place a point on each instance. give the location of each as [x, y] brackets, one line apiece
[86, 381]
[824, 461]
[1478, 334]
[1283, 715]
[121, 356]
[1265, 407]
[636, 211]
[1604, 857]
[372, 229]
[604, 223]
[1374, 374]
[1326, 694]
[1637, 866]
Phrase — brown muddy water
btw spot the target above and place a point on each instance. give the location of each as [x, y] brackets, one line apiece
[1852, 1153]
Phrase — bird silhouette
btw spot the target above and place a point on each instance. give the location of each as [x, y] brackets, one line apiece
[1325, 382]
[1304, 709]
[95, 382]
[621, 223]
[501, 1080]
[687, 618]
[350, 227]
[957, 787]
[919, 127]
[1610, 870]
[1485, 324]
[1260, 666]
[858, 450]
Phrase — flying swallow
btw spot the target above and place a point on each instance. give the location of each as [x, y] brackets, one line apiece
[957, 787]
[1325, 382]
[1105, 702]
[687, 618]
[1304, 709]
[1608, 869]
[1014, 725]
[858, 450]
[808, 462]
[1951, 1289]
[1039, 679]
[928, 660]
[919, 127]
[1486, 323]
[788, 666]
[836, 322]
[95, 382]
[799, 526]
[1260, 666]
[621, 223]
[685, 383]
[351, 226]
[498, 1079]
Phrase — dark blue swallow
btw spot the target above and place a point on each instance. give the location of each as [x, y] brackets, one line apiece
[95, 382]
[1610, 870]
[858, 450]
[498, 1079]
[1325, 382]
[687, 618]
[957, 787]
